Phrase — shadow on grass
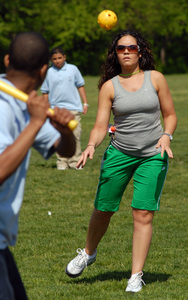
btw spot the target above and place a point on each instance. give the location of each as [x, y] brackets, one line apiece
[46, 165]
[118, 276]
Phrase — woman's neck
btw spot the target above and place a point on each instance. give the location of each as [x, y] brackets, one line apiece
[129, 74]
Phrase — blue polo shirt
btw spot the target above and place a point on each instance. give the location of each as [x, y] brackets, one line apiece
[14, 118]
[62, 87]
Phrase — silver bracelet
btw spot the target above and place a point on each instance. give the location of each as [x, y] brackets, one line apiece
[86, 104]
[169, 135]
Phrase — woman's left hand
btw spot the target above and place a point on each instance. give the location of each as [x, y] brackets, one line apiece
[164, 143]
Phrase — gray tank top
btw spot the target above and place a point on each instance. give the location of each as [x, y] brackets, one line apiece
[137, 119]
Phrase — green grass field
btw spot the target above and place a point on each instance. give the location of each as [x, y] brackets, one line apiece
[47, 243]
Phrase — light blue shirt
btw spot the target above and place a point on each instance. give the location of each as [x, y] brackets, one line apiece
[62, 86]
[14, 118]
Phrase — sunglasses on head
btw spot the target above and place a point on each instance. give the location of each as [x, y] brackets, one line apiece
[120, 49]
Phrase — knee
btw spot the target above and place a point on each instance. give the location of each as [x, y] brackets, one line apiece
[143, 217]
[102, 215]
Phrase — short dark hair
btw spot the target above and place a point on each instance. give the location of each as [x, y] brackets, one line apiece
[28, 52]
[56, 50]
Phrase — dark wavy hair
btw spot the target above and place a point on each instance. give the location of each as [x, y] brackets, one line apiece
[111, 66]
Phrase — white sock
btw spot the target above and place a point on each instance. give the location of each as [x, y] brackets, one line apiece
[136, 274]
[88, 256]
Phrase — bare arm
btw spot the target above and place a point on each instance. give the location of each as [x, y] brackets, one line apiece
[66, 145]
[99, 130]
[167, 110]
[14, 154]
[45, 96]
[83, 96]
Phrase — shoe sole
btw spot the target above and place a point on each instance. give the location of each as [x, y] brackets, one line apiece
[72, 275]
[133, 291]
[77, 275]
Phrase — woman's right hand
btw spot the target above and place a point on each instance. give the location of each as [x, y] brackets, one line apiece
[88, 152]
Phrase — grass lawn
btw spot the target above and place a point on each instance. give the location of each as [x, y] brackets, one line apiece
[47, 243]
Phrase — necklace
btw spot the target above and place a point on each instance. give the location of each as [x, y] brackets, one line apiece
[129, 73]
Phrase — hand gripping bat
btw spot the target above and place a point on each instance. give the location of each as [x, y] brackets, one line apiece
[16, 93]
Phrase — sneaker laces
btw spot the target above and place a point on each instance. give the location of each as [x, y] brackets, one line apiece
[138, 276]
[81, 258]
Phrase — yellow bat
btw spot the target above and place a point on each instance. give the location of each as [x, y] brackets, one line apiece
[16, 93]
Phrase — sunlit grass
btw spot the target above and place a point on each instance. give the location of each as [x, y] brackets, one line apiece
[47, 243]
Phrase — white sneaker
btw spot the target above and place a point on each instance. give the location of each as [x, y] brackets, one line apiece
[135, 283]
[62, 168]
[76, 266]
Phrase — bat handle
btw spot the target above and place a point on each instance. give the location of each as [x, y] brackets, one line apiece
[16, 93]
[72, 123]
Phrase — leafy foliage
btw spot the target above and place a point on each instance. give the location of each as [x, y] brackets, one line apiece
[73, 24]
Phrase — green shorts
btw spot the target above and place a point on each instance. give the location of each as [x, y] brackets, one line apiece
[117, 169]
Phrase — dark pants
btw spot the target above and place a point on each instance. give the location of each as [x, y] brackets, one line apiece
[11, 286]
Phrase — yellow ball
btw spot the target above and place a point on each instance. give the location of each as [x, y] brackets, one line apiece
[107, 19]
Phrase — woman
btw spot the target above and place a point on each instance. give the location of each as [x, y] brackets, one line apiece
[139, 148]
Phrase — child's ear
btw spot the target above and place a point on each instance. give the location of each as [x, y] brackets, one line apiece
[6, 60]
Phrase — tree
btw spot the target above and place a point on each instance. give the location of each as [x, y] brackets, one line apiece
[73, 25]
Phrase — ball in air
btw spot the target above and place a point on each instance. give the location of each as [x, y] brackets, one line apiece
[107, 19]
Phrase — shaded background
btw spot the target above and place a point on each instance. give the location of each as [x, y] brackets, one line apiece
[73, 25]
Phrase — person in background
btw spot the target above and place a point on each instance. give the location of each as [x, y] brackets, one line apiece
[24, 125]
[137, 94]
[64, 87]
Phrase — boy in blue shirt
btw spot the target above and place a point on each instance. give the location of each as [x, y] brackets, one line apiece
[64, 87]
[23, 126]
